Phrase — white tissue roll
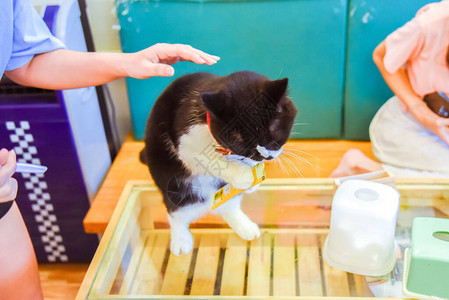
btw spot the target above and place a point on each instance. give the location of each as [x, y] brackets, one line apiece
[362, 228]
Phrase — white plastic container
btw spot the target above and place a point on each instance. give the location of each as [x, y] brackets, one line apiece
[362, 228]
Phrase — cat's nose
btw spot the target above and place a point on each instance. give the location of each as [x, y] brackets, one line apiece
[268, 154]
[263, 151]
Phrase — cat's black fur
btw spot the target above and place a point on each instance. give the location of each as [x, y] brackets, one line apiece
[246, 110]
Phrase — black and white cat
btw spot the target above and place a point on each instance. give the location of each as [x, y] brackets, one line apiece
[205, 131]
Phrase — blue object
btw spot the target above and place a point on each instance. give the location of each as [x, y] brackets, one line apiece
[24, 36]
[30, 168]
[443, 95]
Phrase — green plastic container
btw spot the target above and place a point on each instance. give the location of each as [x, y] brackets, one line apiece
[426, 264]
[303, 40]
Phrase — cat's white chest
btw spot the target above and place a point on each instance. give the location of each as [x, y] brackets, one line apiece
[197, 153]
[204, 186]
[196, 150]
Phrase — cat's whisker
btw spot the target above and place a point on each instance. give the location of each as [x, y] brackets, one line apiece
[287, 163]
[305, 160]
[280, 72]
[300, 151]
[298, 158]
[276, 144]
[284, 170]
[301, 124]
[292, 165]
[276, 161]
[296, 133]
[297, 170]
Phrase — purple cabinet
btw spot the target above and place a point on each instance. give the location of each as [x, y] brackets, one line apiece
[34, 123]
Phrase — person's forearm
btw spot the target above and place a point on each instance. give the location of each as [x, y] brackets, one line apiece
[398, 82]
[65, 69]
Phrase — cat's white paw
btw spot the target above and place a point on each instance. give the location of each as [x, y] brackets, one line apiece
[247, 230]
[252, 190]
[181, 244]
[243, 178]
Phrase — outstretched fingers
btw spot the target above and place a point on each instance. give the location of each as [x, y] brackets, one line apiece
[167, 52]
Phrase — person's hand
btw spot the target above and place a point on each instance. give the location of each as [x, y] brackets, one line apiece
[156, 60]
[430, 120]
[8, 185]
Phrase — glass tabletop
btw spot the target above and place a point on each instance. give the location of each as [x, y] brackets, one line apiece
[134, 258]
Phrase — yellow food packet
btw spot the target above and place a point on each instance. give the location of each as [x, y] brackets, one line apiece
[228, 191]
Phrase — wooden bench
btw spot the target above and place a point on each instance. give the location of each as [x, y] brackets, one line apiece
[318, 158]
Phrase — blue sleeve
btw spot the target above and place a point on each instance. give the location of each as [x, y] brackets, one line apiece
[30, 35]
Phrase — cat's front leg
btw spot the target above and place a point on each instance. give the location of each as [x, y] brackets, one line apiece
[181, 238]
[239, 176]
[238, 220]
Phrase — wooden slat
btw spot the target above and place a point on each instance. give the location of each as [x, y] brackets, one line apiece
[87, 285]
[131, 272]
[146, 218]
[176, 274]
[259, 266]
[206, 265]
[272, 231]
[361, 288]
[145, 272]
[106, 275]
[444, 209]
[149, 278]
[336, 279]
[284, 278]
[309, 266]
[233, 277]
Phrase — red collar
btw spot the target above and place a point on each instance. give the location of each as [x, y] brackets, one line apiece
[218, 148]
[208, 119]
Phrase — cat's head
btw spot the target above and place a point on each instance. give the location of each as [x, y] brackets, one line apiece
[250, 115]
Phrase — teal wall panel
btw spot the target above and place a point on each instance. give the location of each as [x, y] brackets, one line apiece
[369, 23]
[303, 40]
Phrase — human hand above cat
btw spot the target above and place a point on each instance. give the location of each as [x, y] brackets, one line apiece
[8, 185]
[156, 60]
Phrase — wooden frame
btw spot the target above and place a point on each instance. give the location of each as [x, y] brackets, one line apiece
[264, 268]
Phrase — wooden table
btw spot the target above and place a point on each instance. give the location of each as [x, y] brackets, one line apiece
[133, 259]
[321, 157]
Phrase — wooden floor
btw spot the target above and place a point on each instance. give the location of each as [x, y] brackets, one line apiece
[61, 281]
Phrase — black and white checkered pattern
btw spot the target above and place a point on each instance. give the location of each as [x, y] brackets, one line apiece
[38, 195]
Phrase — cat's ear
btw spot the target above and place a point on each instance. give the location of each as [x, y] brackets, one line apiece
[216, 103]
[276, 88]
